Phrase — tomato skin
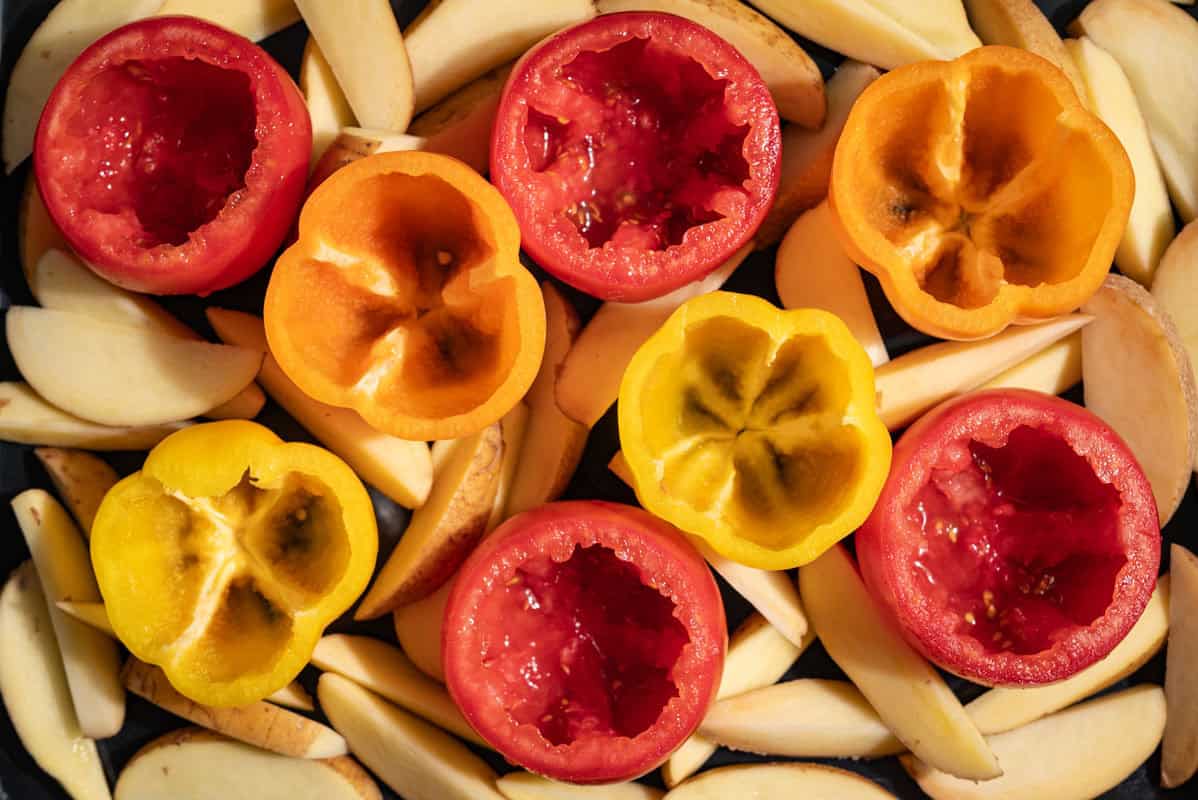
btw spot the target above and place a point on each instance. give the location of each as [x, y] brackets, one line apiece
[248, 223]
[627, 270]
[555, 534]
[936, 448]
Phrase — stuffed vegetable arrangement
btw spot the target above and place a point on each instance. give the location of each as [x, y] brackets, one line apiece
[427, 213]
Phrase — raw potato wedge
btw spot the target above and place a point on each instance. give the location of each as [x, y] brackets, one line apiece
[588, 381]
[1111, 736]
[1150, 225]
[888, 33]
[400, 469]
[123, 376]
[512, 427]
[418, 629]
[351, 144]
[1175, 288]
[327, 106]
[88, 656]
[62, 282]
[527, 786]
[553, 443]
[779, 781]
[441, 532]
[1003, 709]
[908, 694]
[361, 41]
[757, 656]
[34, 688]
[805, 718]
[253, 19]
[807, 155]
[80, 478]
[91, 613]
[261, 724]
[195, 764]
[1179, 750]
[793, 79]
[384, 670]
[36, 232]
[1150, 40]
[453, 42]
[411, 756]
[916, 381]
[772, 593]
[1053, 370]
[26, 418]
[812, 271]
[293, 695]
[1020, 23]
[460, 125]
[1131, 345]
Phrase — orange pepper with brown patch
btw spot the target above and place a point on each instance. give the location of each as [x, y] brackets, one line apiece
[980, 192]
[404, 298]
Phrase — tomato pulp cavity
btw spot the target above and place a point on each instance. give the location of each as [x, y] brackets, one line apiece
[1016, 541]
[638, 150]
[585, 641]
[172, 154]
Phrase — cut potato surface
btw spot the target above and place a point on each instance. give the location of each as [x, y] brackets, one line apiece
[527, 786]
[1179, 751]
[327, 106]
[418, 629]
[1175, 287]
[1073, 755]
[36, 232]
[1020, 23]
[1053, 370]
[194, 764]
[770, 781]
[26, 418]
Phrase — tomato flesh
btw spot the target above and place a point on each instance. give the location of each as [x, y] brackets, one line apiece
[615, 639]
[584, 641]
[170, 139]
[982, 549]
[1016, 540]
[172, 155]
[638, 150]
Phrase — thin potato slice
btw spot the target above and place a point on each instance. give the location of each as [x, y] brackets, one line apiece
[778, 781]
[1179, 751]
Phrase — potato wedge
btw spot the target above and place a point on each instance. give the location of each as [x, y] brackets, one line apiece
[195, 764]
[1175, 287]
[1054, 370]
[418, 629]
[351, 144]
[36, 232]
[778, 781]
[80, 478]
[908, 694]
[461, 124]
[400, 469]
[37, 699]
[512, 427]
[1179, 750]
[327, 106]
[89, 656]
[807, 155]
[1112, 736]
[1132, 344]
[261, 724]
[293, 695]
[253, 19]
[91, 613]
[1020, 23]
[384, 670]
[26, 418]
[527, 786]
[410, 755]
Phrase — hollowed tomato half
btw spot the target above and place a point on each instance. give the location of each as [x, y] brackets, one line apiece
[585, 641]
[1016, 541]
[172, 154]
[638, 150]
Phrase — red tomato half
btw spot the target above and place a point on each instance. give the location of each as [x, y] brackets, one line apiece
[1016, 541]
[584, 640]
[638, 150]
[172, 154]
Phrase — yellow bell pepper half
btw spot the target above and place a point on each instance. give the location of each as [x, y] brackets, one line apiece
[225, 557]
[754, 428]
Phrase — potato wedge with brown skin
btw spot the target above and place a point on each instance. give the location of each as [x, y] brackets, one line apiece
[521, 785]
[441, 532]
[1175, 287]
[195, 764]
[80, 478]
[553, 443]
[778, 781]
[261, 724]
[1111, 736]
[460, 125]
[1054, 370]
[1139, 380]
[354, 143]
[807, 154]
[1179, 749]
[1020, 23]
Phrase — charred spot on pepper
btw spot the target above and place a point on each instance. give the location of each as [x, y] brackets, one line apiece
[662, 112]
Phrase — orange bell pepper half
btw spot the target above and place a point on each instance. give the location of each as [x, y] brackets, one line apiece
[980, 192]
[404, 298]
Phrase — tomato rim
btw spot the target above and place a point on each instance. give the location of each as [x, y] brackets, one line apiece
[666, 562]
[633, 274]
[886, 549]
[253, 220]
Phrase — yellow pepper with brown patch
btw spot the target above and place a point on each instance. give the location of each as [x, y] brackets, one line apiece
[227, 555]
[754, 429]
